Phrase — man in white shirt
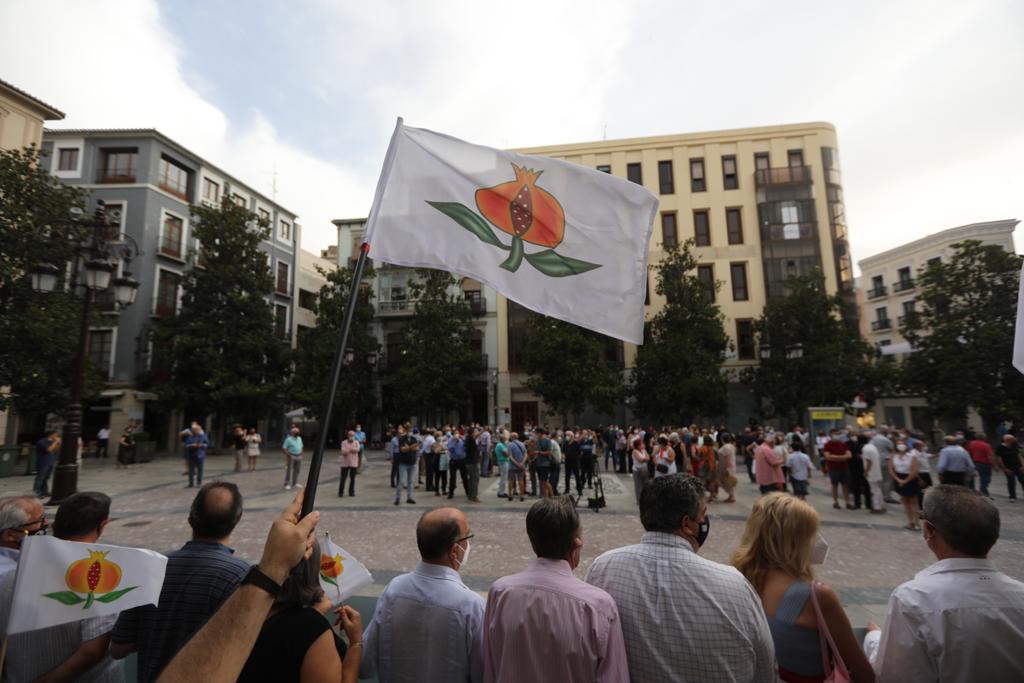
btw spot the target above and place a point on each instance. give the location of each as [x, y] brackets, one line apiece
[873, 473]
[960, 619]
[428, 625]
[684, 618]
[20, 516]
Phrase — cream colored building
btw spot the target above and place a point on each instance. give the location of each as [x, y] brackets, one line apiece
[887, 290]
[21, 125]
[762, 204]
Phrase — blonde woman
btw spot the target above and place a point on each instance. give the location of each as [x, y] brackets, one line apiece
[775, 554]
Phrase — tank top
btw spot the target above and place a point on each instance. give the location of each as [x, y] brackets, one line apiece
[282, 645]
[797, 649]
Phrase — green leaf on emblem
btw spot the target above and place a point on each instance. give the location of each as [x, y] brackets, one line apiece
[556, 265]
[65, 597]
[469, 220]
[110, 597]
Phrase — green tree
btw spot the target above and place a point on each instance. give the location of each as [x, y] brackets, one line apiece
[356, 398]
[815, 358]
[438, 360]
[34, 210]
[224, 355]
[678, 376]
[962, 336]
[568, 367]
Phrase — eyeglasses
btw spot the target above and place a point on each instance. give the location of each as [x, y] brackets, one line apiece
[43, 527]
[464, 538]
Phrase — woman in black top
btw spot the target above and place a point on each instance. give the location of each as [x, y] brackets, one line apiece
[297, 643]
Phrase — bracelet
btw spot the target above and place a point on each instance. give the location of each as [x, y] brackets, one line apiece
[354, 645]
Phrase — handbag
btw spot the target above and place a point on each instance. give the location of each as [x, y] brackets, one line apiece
[836, 672]
[661, 468]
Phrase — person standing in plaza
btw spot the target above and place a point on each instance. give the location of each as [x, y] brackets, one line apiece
[428, 458]
[408, 448]
[837, 462]
[955, 463]
[543, 461]
[199, 577]
[501, 455]
[727, 466]
[485, 442]
[641, 473]
[982, 455]
[664, 458]
[767, 467]
[858, 482]
[545, 609]
[349, 462]
[427, 626]
[472, 481]
[745, 444]
[571, 451]
[1008, 461]
[238, 441]
[516, 467]
[252, 447]
[126, 446]
[196, 444]
[292, 450]
[456, 463]
[875, 500]
[46, 457]
[588, 457]
[800, 467]
[391, 452]
[775, 554]
[903, 468]
[885, 447]
[102, 441]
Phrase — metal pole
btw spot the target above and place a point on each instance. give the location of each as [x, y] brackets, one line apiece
[65, 477]
[332, 389]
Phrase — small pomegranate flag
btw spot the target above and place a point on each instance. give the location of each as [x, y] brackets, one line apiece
[341, 575]
[559, 238]
[61, 581]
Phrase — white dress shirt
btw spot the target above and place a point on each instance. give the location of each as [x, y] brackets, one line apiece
[427, 628]
[958, 620]
[685, 618]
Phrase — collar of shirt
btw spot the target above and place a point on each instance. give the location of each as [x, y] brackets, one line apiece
[210, 545]
[437, 571]
[544, 564]
[662, 538]
[957, 564]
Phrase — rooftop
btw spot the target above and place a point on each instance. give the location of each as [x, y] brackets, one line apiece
[50, 113]
[947, 236]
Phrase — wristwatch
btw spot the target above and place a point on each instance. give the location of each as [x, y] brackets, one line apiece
[257, 578]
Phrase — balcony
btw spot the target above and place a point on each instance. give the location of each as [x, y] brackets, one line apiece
[877, 292]
[397, 307]
[905, 320]
[477, 304]
[879, 325]
[787, 175]
[833, 177]
[781, 232]
[903, 285]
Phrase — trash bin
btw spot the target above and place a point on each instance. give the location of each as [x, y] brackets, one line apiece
[8, 459]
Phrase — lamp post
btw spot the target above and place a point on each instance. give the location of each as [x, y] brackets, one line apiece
[102, 244]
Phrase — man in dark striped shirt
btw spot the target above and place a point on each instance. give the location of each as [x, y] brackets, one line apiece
[200, 576]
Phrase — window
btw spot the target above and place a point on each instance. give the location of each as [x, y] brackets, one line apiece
[211, 190]
[171, 238]
[113, 234]
[286, 231]
[167, 294]
[790, 213]
[762, 161]
[303, 336]
[174, 178]
[307, 299]
[633, 174]
[282, 277]
[701, 228]
[734, 225]
[934, 262]
[264, 215]
[729, 175]
[239, 200]
[795, 157]
[281, 320]
[668, 230]
[604, 168]
[738, 271]
[745, 339]
[697, 182]
[666, 184]
[876, 282]
[882, 314]
[706, 275]
[100, 350]
[909, 308]
[903, 274]
[67, 159]
[119, 165]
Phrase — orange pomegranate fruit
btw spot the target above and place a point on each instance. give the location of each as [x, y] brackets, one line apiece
[523, 210]
[94, 574]
[331, 566]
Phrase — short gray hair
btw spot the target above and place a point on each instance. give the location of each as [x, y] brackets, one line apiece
[14, 511]
[967, 521]
[666, 500]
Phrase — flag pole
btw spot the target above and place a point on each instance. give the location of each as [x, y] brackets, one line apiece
[332, 388]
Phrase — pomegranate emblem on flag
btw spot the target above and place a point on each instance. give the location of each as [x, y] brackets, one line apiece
[331, 568]
[94, 576]
[526, 212]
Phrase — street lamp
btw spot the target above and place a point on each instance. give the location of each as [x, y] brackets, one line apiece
[96, 259]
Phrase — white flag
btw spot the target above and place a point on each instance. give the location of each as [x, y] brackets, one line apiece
[341, 575]
[559, 238]
[1018, 337]
[61, 581]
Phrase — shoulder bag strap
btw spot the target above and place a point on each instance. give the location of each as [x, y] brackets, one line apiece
[825, 636]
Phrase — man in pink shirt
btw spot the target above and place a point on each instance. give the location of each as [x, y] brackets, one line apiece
[544, 624]
[767, 467]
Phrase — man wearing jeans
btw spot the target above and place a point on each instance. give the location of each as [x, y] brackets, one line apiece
[46, 457]
[292, 448]
[196, 444]
[982, 455]
[408, 447]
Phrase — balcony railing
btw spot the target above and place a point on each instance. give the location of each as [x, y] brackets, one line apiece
[778, 232]
[787, 175]
[903, 285]
[477, 304]
[877, 325]
[404, 306]
[876, 292]
[904, 320]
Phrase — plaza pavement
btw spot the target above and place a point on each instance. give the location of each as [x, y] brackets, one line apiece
[869, 554]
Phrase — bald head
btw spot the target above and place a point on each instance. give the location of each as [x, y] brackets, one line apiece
[437, 532]
[215, 512]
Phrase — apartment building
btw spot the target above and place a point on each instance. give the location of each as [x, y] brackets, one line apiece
[761, 204]
[151, 180]
[887, 288]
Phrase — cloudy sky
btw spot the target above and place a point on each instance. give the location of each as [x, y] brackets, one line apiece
[926, 95]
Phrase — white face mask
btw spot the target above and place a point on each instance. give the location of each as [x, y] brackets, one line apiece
[465, 557]
[901, 447]
[820, 551]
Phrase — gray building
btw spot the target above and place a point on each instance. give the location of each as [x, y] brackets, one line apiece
[152, 180]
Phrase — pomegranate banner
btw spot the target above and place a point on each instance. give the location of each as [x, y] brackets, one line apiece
[341, 575]
[561, 239]
[61, 581]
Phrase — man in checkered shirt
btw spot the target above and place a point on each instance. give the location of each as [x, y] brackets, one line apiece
[684, 618]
